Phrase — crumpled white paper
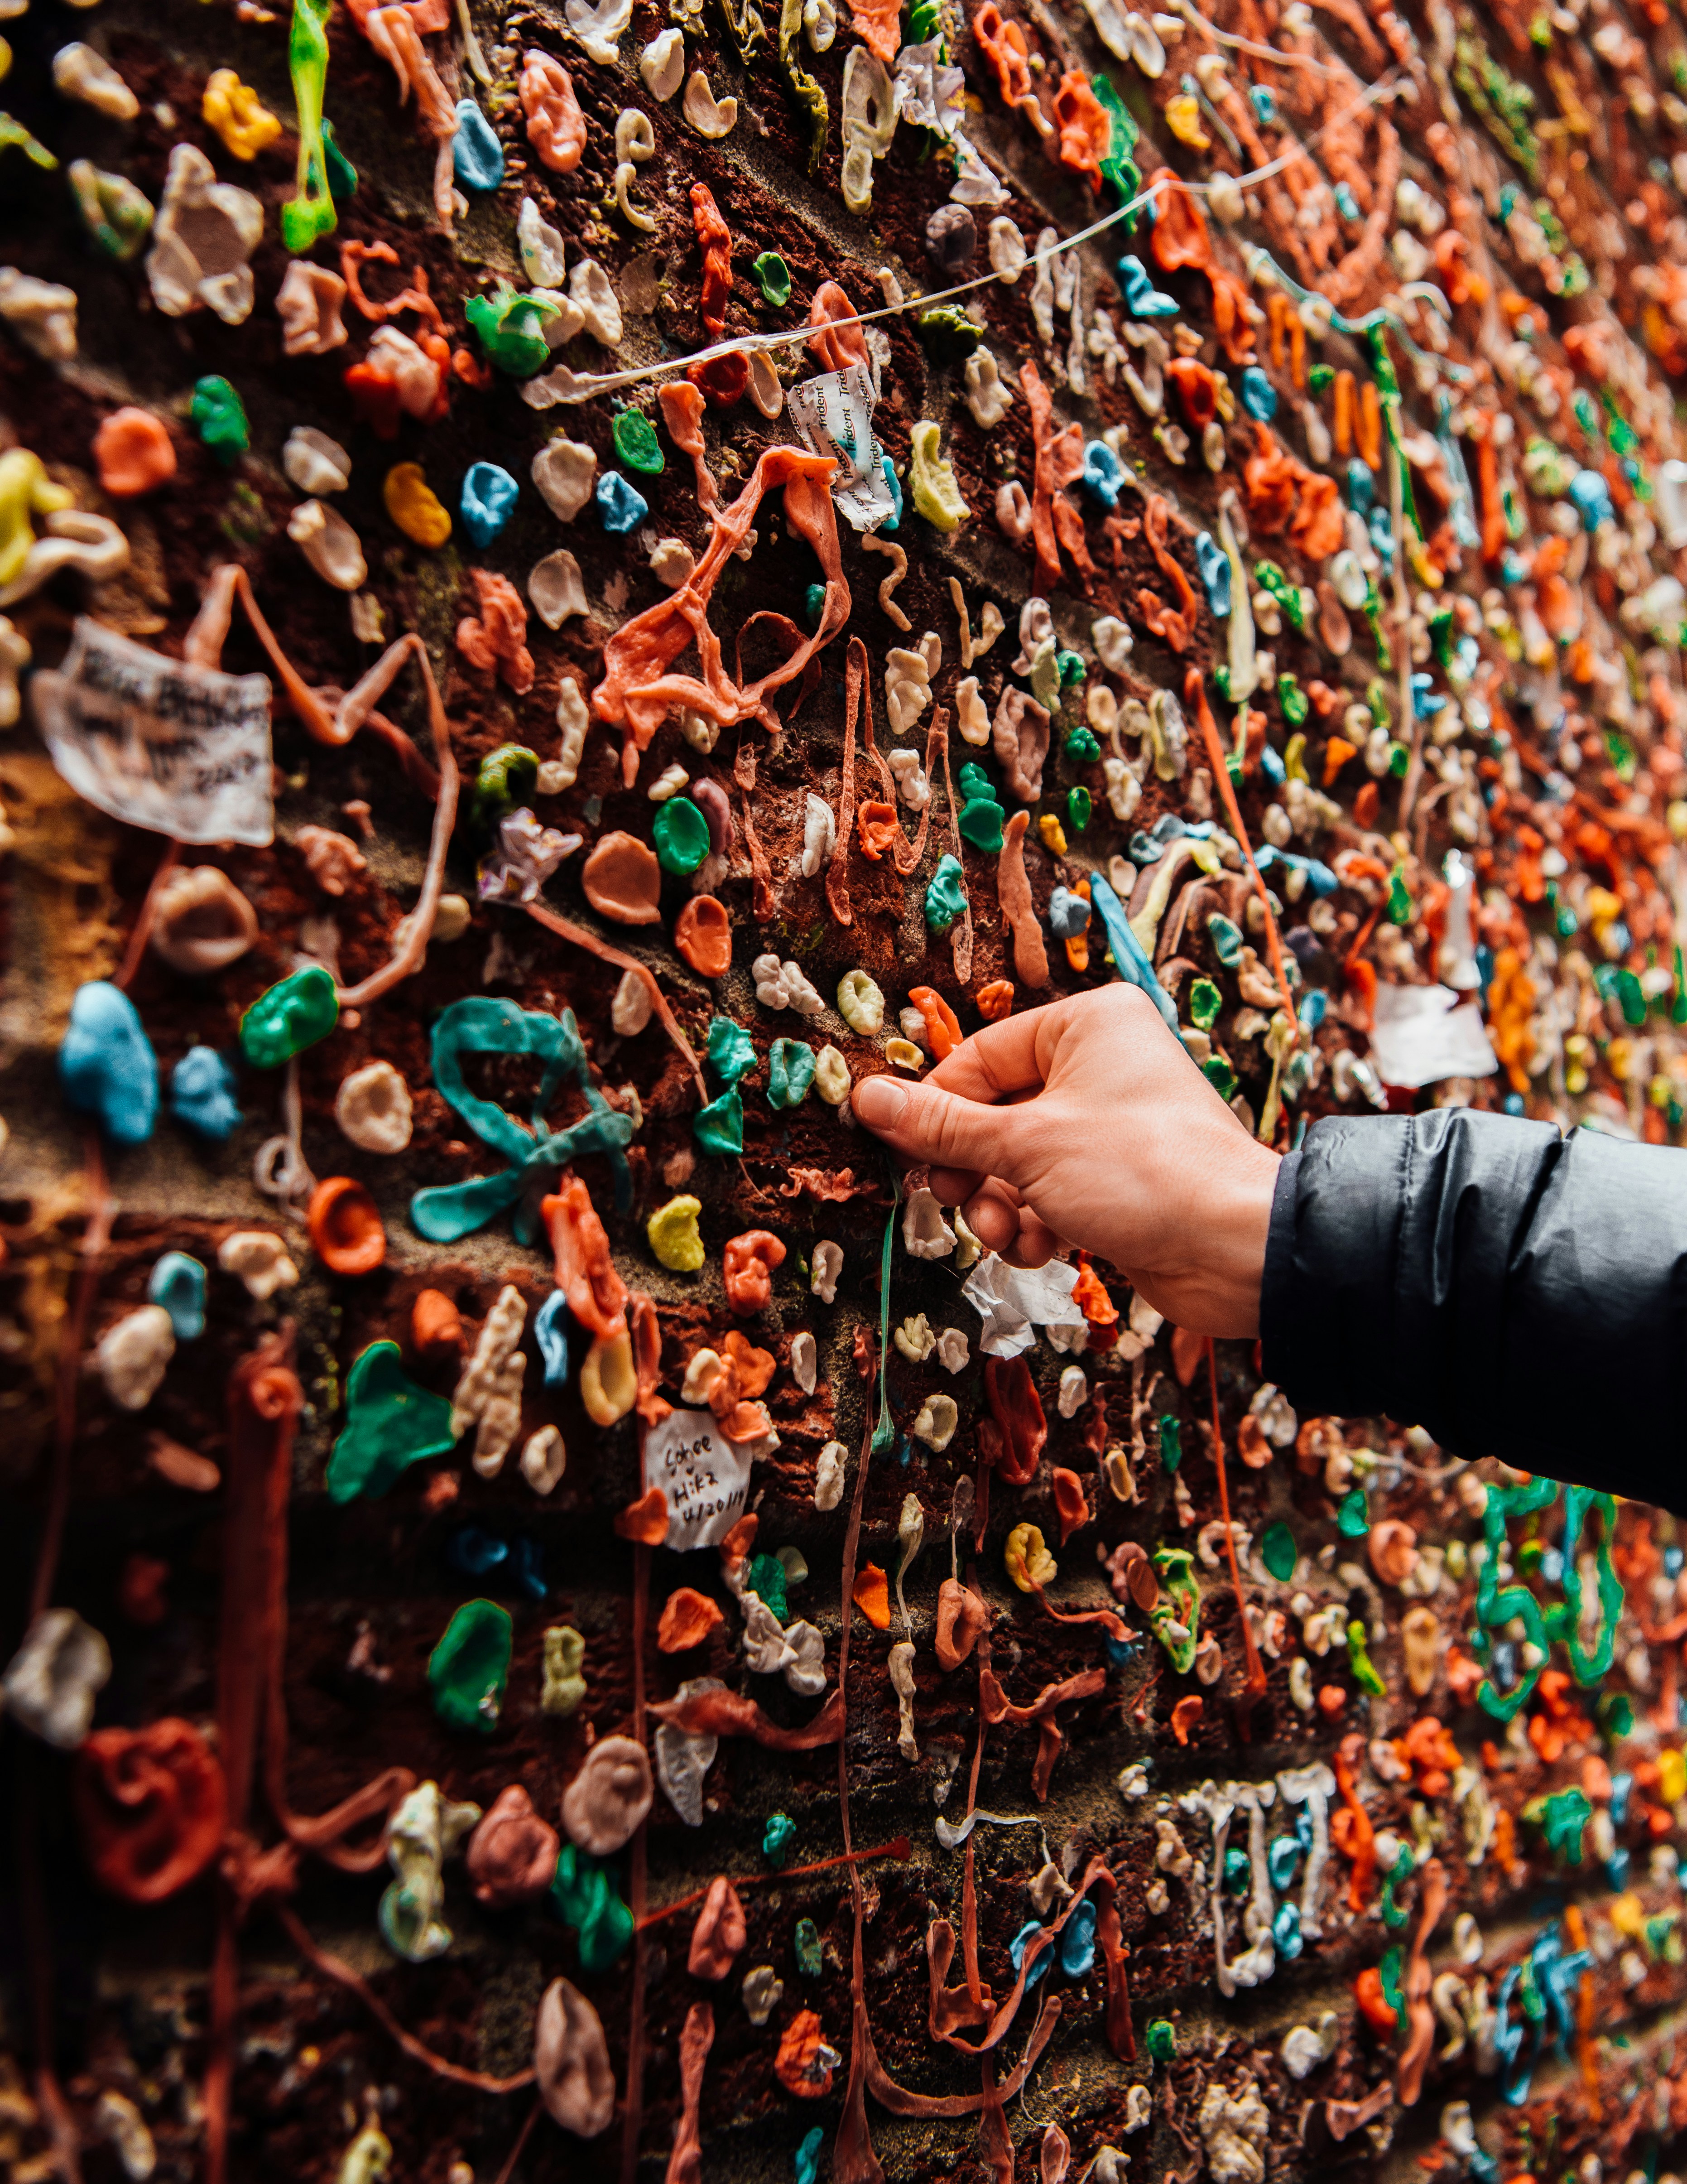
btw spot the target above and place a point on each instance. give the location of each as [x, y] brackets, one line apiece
[1422, 1034]
[1014, 1301]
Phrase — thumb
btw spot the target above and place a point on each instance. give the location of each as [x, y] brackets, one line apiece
[925, 1124]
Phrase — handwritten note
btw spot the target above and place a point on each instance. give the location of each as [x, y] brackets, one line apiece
[704, 1476]
[182, 751]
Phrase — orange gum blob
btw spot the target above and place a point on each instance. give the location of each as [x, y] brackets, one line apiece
[345, 1227]
[134, 451]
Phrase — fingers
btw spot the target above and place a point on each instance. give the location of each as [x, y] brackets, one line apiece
[926, 1122]
[1036, 1243]
[1002, 1058]
[992, 1213]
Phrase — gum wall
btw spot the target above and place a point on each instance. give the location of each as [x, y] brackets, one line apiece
[574, 579]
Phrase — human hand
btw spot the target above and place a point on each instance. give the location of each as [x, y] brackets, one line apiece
[1085, 1123]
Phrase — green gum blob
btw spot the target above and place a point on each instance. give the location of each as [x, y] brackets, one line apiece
[469, 1668]
[1179, 1603]
[310, 215]
[773, 278]
[511, 329]
[946, 334]
[680, 834]
[584, 1896]
[1360, 1662]
[945, 897]
[1278, 1553]
[635, 443]
[766, 1579]
[1352, 1518]
[790, 1074]
[505, 778]
[1394, 1914]
[219, 417]
[1220, 1076]
[293, 1014]
[729, 1051]
[391, 1423]
[981, 816]
[1496, 1605]
[1204, 1003]
[719, 1128]
[779, 1836]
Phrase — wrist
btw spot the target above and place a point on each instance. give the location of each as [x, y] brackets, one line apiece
[1239, 1226]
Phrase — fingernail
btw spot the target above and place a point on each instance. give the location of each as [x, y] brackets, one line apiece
[880, 1103]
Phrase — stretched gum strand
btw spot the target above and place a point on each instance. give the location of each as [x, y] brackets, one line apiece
[202, 647]
[587, 387]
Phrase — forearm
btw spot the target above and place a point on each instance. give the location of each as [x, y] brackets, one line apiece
[1516, 1294]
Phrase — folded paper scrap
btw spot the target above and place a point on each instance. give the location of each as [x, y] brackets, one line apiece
[182, 751]
[1014, 1301]
[1423, 1033]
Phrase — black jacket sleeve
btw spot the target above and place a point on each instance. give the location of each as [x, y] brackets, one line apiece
[1516, 1293]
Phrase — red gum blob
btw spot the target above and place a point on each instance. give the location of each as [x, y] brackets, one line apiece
[942, 1026]
[152, 1806]
[345, 1227]
[703, 933]
[720, 1934]
[1004, 46]
[585, 1272]
[682, 405]
[1013, 893]
[556, 128]
[724, 381]
[961, 1616]
[1070, 1502]
[995, 1002]
[511, 1855]
[688, 1618]
[1185, 1714]
[798, 2066]
[878, 827]
[622, 880]
[436, 1323]
[748, 1264]
[1086, 133]
[646, 1328]
[1197, 386]
[1018, 1410]
[871, 1595]
[638, 693]
[497, 640]
[134, 451]
[1181, 237]
[644, 1521]
[697, 2037]
[715, 241]
[878, 23]
[837, 346]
